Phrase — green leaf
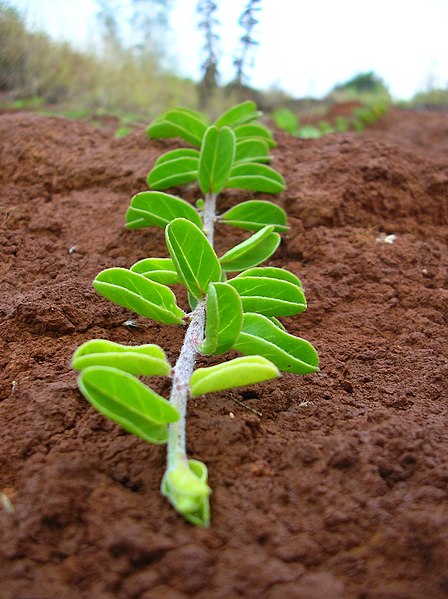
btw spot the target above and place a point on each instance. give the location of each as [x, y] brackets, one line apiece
[273, 272]
[175, 154]
[192, 301]
[173, 173]
[126, 400]
[254, 215]
[252, 251]
[254, 131]
[234, 373]
[193, 256]
[179, 122]
[224, 319]
[216, 160]
[277, 323]
[263, 337]
[252, 150]
[157, 209]
[141, 360]
[160, 270]
[137, 293]
[239, 114]
[185, 486]
[268, 296]
[255, 177]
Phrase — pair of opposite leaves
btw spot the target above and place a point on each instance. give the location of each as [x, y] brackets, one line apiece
[109, 382]
[232, 151]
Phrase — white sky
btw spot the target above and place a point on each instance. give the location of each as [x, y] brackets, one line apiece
[305, 47]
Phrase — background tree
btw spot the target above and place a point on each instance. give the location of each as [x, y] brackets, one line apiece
[244, 59]
[209, 82]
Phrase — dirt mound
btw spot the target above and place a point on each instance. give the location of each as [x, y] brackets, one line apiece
[326, 486]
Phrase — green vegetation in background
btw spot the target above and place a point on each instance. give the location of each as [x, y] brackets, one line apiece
[33, 66]
[435, 97]
[360, 118]
[366, 89]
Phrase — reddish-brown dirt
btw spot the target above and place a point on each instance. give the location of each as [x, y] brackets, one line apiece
[328, 486]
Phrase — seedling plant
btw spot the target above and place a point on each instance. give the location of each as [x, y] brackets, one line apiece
[238, 312]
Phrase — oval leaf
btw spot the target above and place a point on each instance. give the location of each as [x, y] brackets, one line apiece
[239, 114]
[256, 249]
[254, 215]
[263, 337]
[277, 323]
[195, 259]
[173, 173]
[175, 154]
[157, 209]
[252, 150]
[141, 360]
[127, 401]
[255, 131]
[135, 292]
[272, 272]
[216, 160]
[179, 122]
[160, 270]
[234, 373]
[255, 177]
[271, 297]
[224, 319]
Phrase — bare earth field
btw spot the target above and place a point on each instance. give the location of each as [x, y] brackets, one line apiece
[328, 486]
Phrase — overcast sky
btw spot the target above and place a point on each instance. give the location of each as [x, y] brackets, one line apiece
[305, 47]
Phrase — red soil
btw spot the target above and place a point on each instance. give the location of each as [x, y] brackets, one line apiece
[327, 486]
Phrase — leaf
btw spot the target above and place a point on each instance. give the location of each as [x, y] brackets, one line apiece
[224, 319]
[173, 173]
[239, 114]
[140, 360]
[160, 270]
[254, 131]
[157, 209]
[126, 400]
[277, 323]
[255, 177]
[179, 122]
[286, 119]
[252, 251]
[262, 337]
[268, 296]
[175, 154]
[195, 259]
[137, 293]
[273, 272]
[216, 159]
[185, 486]
[254, 215]
[252, 150]
[234, 373]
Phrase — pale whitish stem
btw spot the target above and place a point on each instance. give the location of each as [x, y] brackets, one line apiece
[185, 363]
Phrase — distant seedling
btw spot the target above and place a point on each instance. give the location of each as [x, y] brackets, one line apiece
[238, 312]
[360, 118]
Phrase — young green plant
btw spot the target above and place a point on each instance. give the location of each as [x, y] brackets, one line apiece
[238, 312]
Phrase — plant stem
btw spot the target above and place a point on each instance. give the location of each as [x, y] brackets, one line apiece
[185, 363]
